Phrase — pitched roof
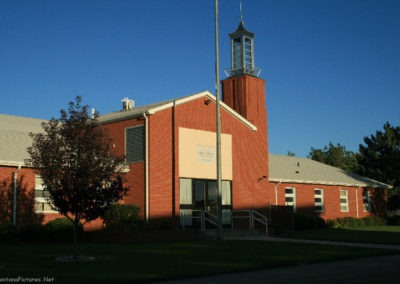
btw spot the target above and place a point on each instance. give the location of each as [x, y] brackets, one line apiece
[302, 170]
[153, 108]
[15, 139]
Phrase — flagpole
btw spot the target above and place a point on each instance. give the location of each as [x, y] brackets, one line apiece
[218, 130]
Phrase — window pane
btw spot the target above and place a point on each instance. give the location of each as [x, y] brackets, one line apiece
[289, 199]
[288, 190]
[185, 191]
[226, 193]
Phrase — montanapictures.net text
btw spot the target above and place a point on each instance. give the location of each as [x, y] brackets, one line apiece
[21, 279]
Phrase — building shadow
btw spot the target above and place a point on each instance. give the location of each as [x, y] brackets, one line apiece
[25, 209]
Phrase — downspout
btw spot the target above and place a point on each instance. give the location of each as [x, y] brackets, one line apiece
[146, 164]
[276, 198]
[276, 191]
[357, 201]
[15, 195]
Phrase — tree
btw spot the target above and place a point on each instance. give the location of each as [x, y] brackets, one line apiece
[336, 156]
[77, 166]
[291, 154]
[379, 159]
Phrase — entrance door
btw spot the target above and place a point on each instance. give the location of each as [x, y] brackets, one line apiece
[197, 195]
[205, 196]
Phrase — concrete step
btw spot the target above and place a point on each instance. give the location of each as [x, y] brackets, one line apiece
[237, 234]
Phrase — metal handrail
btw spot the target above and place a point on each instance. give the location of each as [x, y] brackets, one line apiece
[184, 217]
[247, 216]
[260, 218]
[206, 217]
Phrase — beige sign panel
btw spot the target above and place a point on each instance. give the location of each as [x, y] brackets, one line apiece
[197, 154]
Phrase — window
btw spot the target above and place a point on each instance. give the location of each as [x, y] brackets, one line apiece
[42, 204]
[319, 200]
[248, 55]
[134, 144]
[344, 201]
[366, 200]
[290, 197]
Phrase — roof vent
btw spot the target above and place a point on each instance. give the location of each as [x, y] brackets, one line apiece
[128, 104]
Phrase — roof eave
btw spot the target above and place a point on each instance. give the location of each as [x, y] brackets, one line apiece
[283, 180]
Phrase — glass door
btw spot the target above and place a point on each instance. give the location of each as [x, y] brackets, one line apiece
[212, 198]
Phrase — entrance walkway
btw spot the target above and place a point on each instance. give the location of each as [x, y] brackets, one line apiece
[379, 269]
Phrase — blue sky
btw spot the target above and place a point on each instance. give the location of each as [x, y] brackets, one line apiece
[332, 66]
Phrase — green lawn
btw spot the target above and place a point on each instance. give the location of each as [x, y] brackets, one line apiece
[370, 234]
[141, 262]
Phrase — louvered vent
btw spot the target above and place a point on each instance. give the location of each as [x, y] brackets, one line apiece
[134, 144]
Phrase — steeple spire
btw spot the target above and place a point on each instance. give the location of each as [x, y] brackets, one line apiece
[242, 51]
[241, 14]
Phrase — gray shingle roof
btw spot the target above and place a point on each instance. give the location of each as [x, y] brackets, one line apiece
[14, 137]
[127, 114]
[302, 170]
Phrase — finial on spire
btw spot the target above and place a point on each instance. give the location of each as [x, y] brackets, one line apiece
[241, 12]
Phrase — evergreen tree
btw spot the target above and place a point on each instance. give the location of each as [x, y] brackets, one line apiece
[379, 159]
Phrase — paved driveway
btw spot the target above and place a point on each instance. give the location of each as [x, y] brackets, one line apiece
[381, 269]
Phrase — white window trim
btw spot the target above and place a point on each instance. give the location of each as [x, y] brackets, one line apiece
[321, 203]
[291, 195]
[41, 200]
[366, 206]
[347, 200]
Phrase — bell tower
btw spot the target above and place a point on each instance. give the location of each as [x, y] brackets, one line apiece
[243, 90]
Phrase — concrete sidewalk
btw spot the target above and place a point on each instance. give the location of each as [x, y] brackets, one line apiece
[374, 270]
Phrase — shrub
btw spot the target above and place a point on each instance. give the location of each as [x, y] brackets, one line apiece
[166, 224]
[350, 222]
[60, 229]
[393, 218]
[8, 232]
[33, 233]
[302, 222]
[333, 224]
[124, 217]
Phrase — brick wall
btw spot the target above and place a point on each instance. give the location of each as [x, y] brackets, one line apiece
[305, 200]
[249, 156]
[135, 178]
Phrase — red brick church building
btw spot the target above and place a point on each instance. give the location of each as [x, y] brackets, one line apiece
[170, 149]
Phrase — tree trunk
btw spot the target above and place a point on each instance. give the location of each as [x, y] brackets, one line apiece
[75, 239]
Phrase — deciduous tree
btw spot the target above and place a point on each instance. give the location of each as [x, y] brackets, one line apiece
[79, 169]
[335, 155]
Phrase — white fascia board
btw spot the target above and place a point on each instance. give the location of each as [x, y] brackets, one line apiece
[199, 95]
[11, 163]
[316, 182]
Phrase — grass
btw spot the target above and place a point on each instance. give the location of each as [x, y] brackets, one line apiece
[368, 234]
[145, 262]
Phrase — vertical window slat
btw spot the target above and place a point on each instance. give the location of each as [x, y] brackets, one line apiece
[135, 144]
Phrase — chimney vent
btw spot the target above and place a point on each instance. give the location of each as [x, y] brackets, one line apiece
[127, 104]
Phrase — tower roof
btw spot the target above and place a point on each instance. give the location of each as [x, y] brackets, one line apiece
[241, 30]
